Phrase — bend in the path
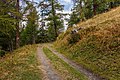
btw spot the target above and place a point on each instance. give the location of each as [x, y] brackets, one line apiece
[89, 74]
[48, 72]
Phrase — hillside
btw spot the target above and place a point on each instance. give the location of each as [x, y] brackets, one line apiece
[96, 46]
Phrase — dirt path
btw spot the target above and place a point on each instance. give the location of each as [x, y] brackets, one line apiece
[89, 74]
[46, 67]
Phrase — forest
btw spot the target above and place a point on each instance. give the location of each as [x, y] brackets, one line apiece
[21, 23]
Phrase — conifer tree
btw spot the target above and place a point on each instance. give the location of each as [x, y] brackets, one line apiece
[29, 34]
[54, 19]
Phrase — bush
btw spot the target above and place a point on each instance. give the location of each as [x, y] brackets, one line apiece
[2, 53]
[73, 38]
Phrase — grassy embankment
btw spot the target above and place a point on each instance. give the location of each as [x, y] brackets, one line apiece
[98, 45]
[65, 70]
[22, 64]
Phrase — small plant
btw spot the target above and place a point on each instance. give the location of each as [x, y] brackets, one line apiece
[2, 53]
[73, 38]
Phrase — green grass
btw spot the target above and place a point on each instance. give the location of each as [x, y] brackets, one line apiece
[22, 64]
[64, 69]
[98, 48]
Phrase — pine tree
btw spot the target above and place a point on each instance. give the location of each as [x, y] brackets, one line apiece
[29, 34]
[85, 9]
[54, 21]
[7, 24]
[17, 26]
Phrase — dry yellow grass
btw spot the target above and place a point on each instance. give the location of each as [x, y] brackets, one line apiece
[98, 48]
[22, 64]
[101, 18]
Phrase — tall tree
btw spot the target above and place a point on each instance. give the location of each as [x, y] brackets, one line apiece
[78, 12]
[95, 5]
[54, 14]
[29, 34]
[54, 19]
[80, 8]
[7, 24]
[17, 26]
[85, 9]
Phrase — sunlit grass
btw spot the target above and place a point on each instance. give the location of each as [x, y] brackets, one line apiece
[20, 65]
[99, 46]
[65, 70]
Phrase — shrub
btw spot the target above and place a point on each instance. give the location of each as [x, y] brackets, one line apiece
[2, 53]
[73, 38]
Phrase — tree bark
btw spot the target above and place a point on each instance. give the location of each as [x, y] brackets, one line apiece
[54, 21]
[17, 26]
[94, 7]
[33, 35]
[11, 45]
[33, 41]
[111, 5]
[82, 15]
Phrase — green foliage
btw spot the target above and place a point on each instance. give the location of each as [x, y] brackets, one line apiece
[85, 9]
[74, 19]
[29, 34]
[7, 25]
[42, 36]
[73, 38]
[2, 53]
[53, 19]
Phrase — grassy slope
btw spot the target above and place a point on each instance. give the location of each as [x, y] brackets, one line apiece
[66, 72]
[20, 65]
[99, 46]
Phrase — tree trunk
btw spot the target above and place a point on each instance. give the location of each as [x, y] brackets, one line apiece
[111, 5]
[17, 26]
[54, 21]
[94, 7]
[11, 45]
[82, 15]
[33, 39]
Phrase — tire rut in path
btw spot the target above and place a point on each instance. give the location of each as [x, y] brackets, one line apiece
[89, 74]
[46, 67]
